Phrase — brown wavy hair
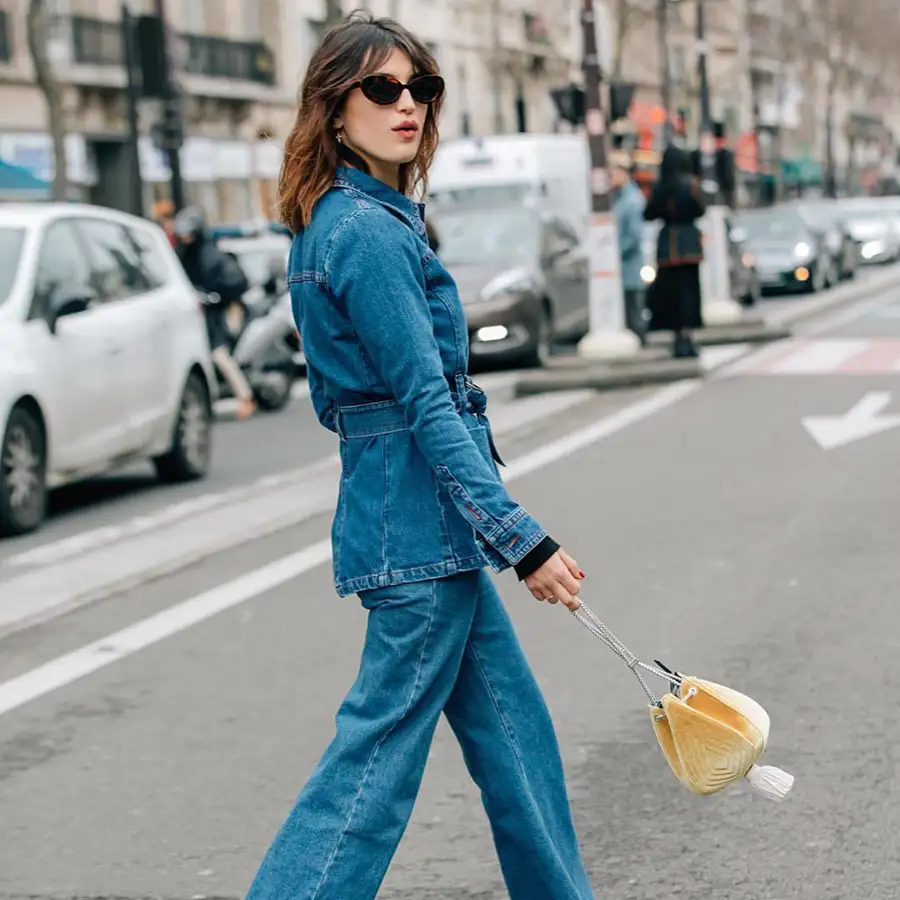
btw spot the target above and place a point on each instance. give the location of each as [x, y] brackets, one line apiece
[355, 47]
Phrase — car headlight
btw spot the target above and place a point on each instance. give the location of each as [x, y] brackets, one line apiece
[871, 249]
[802, 251]
[648, 274]
[516, 281]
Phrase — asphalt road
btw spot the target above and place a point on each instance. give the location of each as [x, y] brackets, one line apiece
[245, 453]
[717, 535]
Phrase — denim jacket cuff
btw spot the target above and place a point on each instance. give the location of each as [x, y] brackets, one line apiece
[516, 536]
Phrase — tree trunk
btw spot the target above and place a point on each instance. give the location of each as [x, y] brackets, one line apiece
[38, 29]
[830, 166]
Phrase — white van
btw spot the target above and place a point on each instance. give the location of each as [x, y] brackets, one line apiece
[547, 172]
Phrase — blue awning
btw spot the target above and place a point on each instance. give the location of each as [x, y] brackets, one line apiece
[17, 183]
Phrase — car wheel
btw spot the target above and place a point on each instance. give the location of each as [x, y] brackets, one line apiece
[23, 483]
[541, 349]
[188, 457]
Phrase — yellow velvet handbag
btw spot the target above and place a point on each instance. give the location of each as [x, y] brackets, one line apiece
[710, 735]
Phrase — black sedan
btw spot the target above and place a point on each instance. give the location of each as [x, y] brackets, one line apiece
[522, 278]
[789, 255]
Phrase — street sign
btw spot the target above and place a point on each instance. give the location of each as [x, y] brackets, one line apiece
[864, 420]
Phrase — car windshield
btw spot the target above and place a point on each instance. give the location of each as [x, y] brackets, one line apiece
[11, 241]
[865, 213]
[820, 213]
[773, 226]
[469, 238]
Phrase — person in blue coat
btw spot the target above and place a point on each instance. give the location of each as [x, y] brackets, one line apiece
[628, 209]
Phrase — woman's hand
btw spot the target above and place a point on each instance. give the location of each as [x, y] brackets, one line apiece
[557, 580]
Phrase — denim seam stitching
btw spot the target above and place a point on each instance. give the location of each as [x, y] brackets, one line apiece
[300, 277]
[378, 746]
[386, 463]
[518, 755]
[337, 233]
[443, 569]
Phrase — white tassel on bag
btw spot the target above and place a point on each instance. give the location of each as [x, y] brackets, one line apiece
[772, 782]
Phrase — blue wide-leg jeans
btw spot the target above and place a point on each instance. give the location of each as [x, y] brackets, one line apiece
[437, 646]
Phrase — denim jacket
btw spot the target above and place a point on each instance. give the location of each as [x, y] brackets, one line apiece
[386, 345]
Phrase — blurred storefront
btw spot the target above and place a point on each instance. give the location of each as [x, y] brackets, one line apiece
[231, 179]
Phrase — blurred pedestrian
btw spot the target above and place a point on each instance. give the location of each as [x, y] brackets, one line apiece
[628, 209]
[221, 280]
[163, 213]
[422, 510]
[677, 200]
[724, 166]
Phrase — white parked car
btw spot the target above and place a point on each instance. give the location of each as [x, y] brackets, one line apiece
[104, 356]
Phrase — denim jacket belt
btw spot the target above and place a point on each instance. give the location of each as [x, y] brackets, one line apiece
[387, 416]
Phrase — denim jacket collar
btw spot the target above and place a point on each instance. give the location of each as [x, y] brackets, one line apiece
[347, 176]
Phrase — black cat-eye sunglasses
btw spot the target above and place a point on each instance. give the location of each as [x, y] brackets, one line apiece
[385, 89]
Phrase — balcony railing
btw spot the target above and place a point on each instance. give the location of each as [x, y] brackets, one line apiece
[5, 37]
[96, 42]
[217, 57]
[99, 42]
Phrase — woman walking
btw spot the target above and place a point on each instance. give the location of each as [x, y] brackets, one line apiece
[677, 201]
[421, 510]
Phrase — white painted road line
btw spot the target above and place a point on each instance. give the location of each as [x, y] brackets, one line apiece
[84, 541]
[819, 356]
[713, 358]
[53, 590]
[66, 669]
[73, 666]
[88, 567]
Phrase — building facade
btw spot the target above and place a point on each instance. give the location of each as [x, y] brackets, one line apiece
[239, 64]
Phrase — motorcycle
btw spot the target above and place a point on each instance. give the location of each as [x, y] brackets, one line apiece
[263, 350]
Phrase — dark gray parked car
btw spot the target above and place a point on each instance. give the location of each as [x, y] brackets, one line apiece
[522, 277]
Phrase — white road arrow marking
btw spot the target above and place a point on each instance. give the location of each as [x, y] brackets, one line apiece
[862, 421]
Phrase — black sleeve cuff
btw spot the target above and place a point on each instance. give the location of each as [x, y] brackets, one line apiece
[535, 558]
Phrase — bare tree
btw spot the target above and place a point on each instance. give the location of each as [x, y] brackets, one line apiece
[333, 12]
[623, 17]
[38, 30]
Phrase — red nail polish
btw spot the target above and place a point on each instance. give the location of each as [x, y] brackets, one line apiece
[580, 574]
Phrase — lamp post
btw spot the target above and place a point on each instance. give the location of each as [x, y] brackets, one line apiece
[128, 51]
[719, 308]
[662, 24]
[608, 338]
[171, 111]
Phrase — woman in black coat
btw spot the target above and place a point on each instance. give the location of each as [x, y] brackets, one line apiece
[677, 200]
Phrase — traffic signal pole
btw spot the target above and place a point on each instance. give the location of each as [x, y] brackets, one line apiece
[136, 182]
[719, 307]
[171, 110]
[608, 337]
[662, 26]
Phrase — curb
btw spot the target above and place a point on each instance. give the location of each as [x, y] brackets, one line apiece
[752, 332]
[603, 377]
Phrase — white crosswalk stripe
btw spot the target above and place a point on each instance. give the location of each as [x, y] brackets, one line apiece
[829, 356]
